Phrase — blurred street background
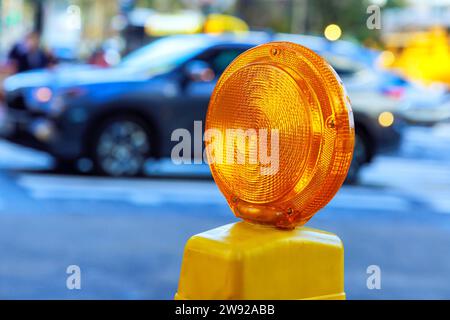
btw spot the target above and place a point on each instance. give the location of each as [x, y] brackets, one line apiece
[91, 91]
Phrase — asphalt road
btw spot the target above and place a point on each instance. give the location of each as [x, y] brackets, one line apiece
[127, 235]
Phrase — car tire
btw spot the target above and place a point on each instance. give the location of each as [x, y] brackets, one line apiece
[360, 157]
[121, 146]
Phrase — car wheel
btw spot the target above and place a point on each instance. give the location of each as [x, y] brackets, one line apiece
[121, 147]
[360, 156]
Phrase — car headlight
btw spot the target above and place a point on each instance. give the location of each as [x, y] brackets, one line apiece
[43, 94]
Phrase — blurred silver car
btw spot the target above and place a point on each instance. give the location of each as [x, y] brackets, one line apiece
[426, 105]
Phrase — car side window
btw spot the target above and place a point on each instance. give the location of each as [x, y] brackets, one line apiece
[219, 58]
[222, 59]
[343, 73]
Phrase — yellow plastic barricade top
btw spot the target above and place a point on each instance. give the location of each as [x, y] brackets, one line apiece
[249, 261]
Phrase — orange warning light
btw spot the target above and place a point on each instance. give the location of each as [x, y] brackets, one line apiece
[279, 134]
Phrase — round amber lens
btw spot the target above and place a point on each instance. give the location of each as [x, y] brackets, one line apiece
[279, 134]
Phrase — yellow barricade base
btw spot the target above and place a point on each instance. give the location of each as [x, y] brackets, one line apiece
[248, 261]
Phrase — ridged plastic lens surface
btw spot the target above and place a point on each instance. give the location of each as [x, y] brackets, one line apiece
[279, 134]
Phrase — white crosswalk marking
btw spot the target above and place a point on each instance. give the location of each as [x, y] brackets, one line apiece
[144, 192]
[15, 157]
[389, 184]
[156, 192]
[424, 180]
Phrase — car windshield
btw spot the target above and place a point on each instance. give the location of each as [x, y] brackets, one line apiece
[343, 66]
[164, 54]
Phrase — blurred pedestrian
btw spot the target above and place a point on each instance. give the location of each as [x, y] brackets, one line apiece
[28, 55]
[98, 58]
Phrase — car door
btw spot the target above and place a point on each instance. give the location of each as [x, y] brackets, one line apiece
[197, 92]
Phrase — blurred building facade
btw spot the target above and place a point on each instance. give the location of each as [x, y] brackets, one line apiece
[16, 18]
[77, 27]
[68, 26]
[417, 15]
